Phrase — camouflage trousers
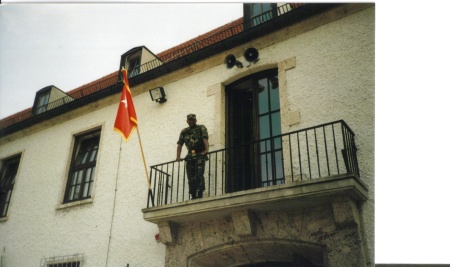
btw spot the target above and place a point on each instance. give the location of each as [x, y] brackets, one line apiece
[195, 169]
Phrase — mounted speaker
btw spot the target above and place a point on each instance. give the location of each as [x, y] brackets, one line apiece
[251, 55]
[231, 61]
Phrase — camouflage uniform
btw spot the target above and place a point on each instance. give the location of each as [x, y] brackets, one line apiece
[195, 162]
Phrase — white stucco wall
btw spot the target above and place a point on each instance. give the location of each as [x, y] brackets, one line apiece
[333, 79]
[37, 229]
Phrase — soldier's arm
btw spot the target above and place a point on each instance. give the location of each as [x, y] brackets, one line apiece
[206, 143]
[205, 139]
[179, 147]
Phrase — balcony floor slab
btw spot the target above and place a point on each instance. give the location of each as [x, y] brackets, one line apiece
[278, 197]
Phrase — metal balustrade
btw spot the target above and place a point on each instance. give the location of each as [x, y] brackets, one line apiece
[320, 151]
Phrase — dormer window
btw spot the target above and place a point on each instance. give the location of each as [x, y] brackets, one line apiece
[138, 60]
[49, 97]
[132, 64]
[257, 13]
[42, 101]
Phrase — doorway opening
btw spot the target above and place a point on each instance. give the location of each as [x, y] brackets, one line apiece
[253, 129]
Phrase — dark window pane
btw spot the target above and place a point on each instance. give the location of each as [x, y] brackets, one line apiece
[42, 102]
[276, 123]
[263, 113]
[7, 180]
[82, 170]
[256, 9]
[263, 96]
[274, 93]
[264, 127]
[260, 13]
[94, 154]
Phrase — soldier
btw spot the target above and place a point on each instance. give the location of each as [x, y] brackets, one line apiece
[196, 139]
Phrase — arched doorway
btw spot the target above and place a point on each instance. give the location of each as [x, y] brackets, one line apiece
[260, 253]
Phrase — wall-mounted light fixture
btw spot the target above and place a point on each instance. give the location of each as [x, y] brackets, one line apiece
[158, 95]
[250, 54]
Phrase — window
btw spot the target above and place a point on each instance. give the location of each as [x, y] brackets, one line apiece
[7, 179]
[82, 169]
[65, 264]
[269, 121]
[42, 101]
[253, 129]
[63, 261]
[133, 64]
[257, 13]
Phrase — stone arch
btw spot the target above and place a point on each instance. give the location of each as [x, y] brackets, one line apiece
[217, 91]
[258, 251]
[249, 71]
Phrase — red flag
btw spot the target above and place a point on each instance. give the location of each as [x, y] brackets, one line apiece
[126, 119]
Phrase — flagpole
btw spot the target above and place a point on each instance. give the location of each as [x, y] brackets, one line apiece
[143, 158]
[145, 165]
[126, 121]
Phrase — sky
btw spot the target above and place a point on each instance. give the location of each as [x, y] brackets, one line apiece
[69, 45]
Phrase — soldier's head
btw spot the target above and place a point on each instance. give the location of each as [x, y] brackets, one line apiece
[191, 120]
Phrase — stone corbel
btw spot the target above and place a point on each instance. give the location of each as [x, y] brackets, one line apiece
[168, 232]
[244, 223]
[345, 211]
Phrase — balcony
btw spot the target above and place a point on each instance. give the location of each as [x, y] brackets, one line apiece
[296, 168]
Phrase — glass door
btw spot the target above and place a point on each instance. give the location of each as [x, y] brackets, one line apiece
[253, 122]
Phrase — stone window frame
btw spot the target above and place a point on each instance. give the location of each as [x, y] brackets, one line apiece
[5, 166]
[289, 115]
[77, 138]
[75, 260]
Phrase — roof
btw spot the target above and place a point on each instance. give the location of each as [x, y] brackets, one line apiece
[198, 48]
[112, 78]
[203, 40]
[19, 116]
[95, 86]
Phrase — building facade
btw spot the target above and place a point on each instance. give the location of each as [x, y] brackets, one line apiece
[287, 96]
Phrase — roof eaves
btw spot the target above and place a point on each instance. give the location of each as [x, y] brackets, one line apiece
[108, 80]
[183, 52]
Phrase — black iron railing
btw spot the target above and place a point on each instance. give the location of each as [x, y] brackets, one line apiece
[320, 151]
[88, 90]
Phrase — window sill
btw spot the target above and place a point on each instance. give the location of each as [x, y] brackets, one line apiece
[74, 204]
[3, 219]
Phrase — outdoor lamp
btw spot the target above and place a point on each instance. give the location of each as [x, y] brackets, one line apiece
[158, 95]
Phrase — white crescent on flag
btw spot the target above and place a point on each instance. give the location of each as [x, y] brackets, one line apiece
[125, 102]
